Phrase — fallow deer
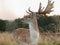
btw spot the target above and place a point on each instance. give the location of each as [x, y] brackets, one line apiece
[31, 35]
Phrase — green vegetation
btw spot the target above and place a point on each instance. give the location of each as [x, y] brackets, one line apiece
[2, 25]
[20, 24]
[46, 23]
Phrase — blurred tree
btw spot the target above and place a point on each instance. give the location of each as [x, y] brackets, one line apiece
[10, 25]
[20, 24]
[2, 25]
[48, 23]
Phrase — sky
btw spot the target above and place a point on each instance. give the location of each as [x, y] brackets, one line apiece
[12, 9]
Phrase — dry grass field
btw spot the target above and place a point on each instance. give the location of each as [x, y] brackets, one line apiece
[50, 39]
[7, 39]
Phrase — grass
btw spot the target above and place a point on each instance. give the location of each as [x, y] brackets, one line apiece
[7, 39]
[51, 39]
[49, 43]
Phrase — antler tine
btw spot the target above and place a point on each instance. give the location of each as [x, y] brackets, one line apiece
[49, 7]
[40, 8]
[29, 10]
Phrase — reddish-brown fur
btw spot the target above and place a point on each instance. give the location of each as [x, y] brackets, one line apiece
[23, 34]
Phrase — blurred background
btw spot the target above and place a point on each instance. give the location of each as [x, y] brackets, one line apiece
[12, 12]
[12, 9]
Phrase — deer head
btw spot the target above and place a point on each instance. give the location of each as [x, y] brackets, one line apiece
[32, 15]
[28, 18]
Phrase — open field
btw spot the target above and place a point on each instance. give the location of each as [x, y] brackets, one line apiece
[50, 39]
[7, 39]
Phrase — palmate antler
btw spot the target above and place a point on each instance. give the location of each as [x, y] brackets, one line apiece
[49, 7]
[47, 10]
[43, 10]
[40, 10]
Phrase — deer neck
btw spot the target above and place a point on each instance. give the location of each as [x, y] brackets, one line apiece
[34, 31]
[33, 26]
[34, 23]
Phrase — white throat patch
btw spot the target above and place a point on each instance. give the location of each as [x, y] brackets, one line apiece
[33, 33]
